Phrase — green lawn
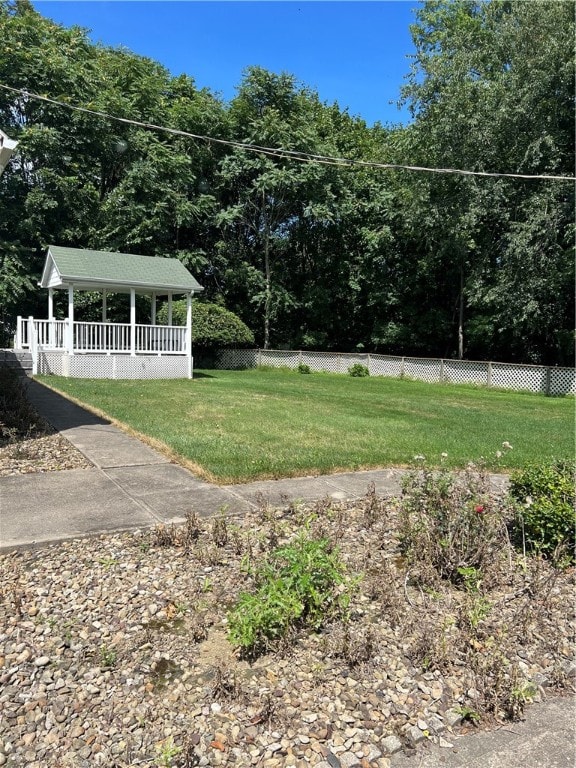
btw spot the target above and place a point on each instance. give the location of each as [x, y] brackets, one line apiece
[243, 425]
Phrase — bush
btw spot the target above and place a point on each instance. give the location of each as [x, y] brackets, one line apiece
[546, 517]
[358, 371]
[213, 327]
[449, 525]
[300, 584]
[303, 368]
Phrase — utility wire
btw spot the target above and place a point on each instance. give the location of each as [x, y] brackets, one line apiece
[304, 157]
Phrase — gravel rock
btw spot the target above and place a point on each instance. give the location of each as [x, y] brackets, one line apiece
[114, 651]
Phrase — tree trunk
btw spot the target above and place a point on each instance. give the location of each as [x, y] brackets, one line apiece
[267, 277]
[461, 314]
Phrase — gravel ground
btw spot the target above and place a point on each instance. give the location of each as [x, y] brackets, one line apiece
[27, 442]
[114, 651]
[42, 451]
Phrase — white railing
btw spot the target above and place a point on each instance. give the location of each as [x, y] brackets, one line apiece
[549, 380]
[101, 337]
[161, 338]
[106, 338]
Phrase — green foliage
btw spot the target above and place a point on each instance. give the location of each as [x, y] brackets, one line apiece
[213, 327]
[358, 371]
[450, 527]
[108, 656]
[166, 751]
[300, 584]
[491, 88]
[546, 517]
[480, 91]
[303, 368]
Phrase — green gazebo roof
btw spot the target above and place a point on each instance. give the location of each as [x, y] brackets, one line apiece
[118, 272]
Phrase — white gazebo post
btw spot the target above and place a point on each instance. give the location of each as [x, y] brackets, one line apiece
[133, 322]
[169, 309]
[51, 317]
[189, 333]
[153, 310]
[104, 306]
[70, 339]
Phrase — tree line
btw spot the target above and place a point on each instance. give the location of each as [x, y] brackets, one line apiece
[314, 255]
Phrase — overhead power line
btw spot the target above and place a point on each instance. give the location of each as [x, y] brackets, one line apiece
[290, 154]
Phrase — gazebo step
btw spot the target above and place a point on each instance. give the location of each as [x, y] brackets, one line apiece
[17, 359]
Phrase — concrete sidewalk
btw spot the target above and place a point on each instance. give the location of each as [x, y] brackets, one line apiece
[545, 739]
[132, 486]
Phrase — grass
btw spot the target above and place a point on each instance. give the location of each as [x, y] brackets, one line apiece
[237, 426]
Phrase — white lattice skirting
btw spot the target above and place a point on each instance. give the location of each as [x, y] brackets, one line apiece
[534, 378]
[113, 366]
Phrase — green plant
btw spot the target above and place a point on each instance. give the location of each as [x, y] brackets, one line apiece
[108, 656]
[467, 714]
[545, 514]
[474, 610]
[471, 577]
[449, 525]
[166, 751]
[521, 694]
[358, 371]
[213, 326]
[300, 584]
[303, 368]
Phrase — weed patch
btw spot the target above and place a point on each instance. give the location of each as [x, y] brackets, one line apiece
[300, 584]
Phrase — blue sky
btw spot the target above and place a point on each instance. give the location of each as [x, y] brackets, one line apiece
[354, 53]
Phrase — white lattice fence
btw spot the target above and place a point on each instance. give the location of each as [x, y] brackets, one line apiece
[562, 381]
[113, 366]
[321, 361]
[534, 378]
[530, 377]
[465, 372]
[279, 358]
[234, 359]
[386, 366]
[50, 363]
[422, 369]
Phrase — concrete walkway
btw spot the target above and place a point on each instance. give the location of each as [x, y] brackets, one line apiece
[132, 486]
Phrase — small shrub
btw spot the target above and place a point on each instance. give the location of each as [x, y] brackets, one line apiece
[358, 371]
[108, 656]
[546, 517]
[302, 583]
[213, 326]
[303, 368]
[449, 524]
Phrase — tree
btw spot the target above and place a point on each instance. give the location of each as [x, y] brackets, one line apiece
[491, 89]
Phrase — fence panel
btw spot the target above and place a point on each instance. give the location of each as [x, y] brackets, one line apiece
[321, 361]
[279, 358]
[530, 377]
[534, 378]
[235, 359]
[465, 372]
[562, 381]
[380, 365]
[423, 369]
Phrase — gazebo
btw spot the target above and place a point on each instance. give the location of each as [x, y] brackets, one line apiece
[111, 350]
